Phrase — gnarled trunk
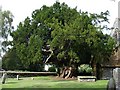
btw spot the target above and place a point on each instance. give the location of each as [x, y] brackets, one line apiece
[67, 72]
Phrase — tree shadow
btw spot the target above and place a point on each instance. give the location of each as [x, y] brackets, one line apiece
[12, 82]
[9, 83]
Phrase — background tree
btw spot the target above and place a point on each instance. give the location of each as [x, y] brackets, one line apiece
[6, 19]
[5, 27]
[10, 60]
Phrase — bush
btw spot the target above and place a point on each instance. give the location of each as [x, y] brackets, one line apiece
[52, 69]
[88, 70]
[85, 68]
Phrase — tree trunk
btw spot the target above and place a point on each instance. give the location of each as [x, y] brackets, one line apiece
[94, 69]
[98, 71]
[93, 65]
[67, 72]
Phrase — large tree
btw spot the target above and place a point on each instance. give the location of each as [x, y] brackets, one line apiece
[62, 36]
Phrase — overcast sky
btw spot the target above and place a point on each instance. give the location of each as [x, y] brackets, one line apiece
[23, 8]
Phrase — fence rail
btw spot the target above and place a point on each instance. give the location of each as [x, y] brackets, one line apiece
[27, 73]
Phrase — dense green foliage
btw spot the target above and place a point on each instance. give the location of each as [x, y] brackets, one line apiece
[11, 61]
[75, 37]
[85, 69]
[28, 44]
[52, 69]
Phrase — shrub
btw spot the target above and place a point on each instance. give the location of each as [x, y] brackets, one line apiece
[88, 70]
[52, 69]
[85, 68]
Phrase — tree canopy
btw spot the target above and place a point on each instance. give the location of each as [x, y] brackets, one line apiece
[74, 37]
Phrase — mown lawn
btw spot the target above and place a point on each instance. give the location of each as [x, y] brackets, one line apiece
[47, 82]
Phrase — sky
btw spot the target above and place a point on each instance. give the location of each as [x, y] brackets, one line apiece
[23, 8]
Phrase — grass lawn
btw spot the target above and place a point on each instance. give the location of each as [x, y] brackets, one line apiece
[48, 82]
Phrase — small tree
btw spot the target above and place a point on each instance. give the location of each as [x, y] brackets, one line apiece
[6, 19]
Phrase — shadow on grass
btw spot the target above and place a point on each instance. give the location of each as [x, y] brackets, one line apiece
[10, 83]
[13, 82]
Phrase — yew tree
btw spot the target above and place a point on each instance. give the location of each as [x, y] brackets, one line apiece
[69, 37]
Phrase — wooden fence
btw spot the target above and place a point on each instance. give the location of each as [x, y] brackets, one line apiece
[21, 73]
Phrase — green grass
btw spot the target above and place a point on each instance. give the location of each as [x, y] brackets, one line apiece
[49, 82]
